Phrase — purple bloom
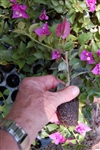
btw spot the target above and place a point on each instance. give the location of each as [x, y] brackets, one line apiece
[56, 54]
[91, 4]
[82, 128]
[43, 16]
[96, 69]
[58, 138]
[42, 31]
[13, 1]
[19, 10]
[98, 52]
[87, 56]
[63, 29]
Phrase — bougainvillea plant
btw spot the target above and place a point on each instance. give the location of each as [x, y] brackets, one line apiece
[41, 33]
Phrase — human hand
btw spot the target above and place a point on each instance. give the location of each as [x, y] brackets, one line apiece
[35, 104]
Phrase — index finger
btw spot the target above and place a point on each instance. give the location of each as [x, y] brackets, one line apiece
[47, 82]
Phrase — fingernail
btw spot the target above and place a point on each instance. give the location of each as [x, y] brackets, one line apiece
[75, 90]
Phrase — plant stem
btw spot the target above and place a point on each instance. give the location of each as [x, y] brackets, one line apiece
[50, 11]
[38, 41]
[67, 64]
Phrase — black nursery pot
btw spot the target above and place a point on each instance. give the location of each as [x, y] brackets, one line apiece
[12, 80]
[2, 89]
[7, 68]
[1, 77]
[13, 95]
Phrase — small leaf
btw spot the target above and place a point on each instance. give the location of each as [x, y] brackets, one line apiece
[41, 38]
[33, 27]
[84, 38]
[54, 66]
[21, 63]
[52, 127]
[7, 40]
[38, 55]
[6, 92]
[79, 71]
[69, 45]
[59, 8]
[21, 25]
[6, 55]
[30, 44]
[98, 15]
[62, 66]
[55, 2]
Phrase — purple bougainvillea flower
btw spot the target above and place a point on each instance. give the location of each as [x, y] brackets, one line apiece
[58, 138]
[18, 10]
[98, 52]
[63, 29]
[96, 69]
[43, 16]
[13, 1]
[56, 54]
[91, 4]
[42, 31]
[87, 56]
[82, 129]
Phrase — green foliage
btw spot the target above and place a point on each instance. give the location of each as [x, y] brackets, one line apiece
[19, 44]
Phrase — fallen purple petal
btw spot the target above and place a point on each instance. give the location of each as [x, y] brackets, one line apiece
[82, 129]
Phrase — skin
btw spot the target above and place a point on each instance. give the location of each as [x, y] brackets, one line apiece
[34, 106]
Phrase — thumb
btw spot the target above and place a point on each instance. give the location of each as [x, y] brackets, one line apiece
[66, 94]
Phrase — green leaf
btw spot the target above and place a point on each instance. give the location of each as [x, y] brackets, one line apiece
[84, 38]
[41, 38]
[6, 55]
[75, 63]
[33, 27]
[52, 127]
[55, 2]
[7, 40]
[94, 47]
[30, 44]
[61, 2]
[5, 3]
[59, 8]
[41, 1]
[21, 25]
[16, 56]
[21, 63]
[62, 66]
[68, 4]
[79, 71]
[44, 134]
[22, 48]
[71, 15]
[6, 92]
[6, 109]
[68, 45]
[19, 31]
[83, 97]
[38, 55]
[98, 15]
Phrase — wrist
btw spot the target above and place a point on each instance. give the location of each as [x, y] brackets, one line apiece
[5, 142]
[25, 122]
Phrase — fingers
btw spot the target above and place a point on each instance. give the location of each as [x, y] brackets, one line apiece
[47, 82]
[67, 94]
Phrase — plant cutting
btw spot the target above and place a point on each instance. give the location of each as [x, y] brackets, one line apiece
[61, 38]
